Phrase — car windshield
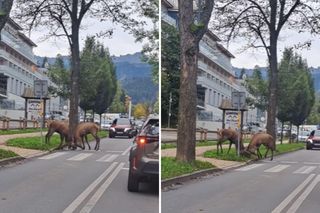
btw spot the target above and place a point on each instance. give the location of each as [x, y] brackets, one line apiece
[121, 121]
[316, 133]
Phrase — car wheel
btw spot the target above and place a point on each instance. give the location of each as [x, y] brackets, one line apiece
[133, 182]
[308, 147]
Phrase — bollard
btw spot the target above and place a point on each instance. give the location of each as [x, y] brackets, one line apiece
[205, 132]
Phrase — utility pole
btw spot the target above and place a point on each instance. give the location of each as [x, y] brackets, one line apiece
[169, 114]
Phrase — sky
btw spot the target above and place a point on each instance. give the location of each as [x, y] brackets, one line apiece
[251, 57]
[121, 43]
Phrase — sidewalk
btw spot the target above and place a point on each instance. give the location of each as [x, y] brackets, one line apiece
[221, 164]
[25, 153]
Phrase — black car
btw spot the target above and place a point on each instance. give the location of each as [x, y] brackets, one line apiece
[144, 155]
[122, 127]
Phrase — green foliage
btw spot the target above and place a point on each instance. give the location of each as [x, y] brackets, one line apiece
[170, 73]
[7, 154]
[258, 88]
[296, 93]
[174, 145]
[231, 156]
[20, 131]
[97, 77]
[61, 78]
[314, 117]
[172, 168]
[118, 105]
[196, 27]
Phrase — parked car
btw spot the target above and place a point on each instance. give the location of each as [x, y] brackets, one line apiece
[144, 155]
[313, 140]
[303, 136]
[106, 124]
[122, 127]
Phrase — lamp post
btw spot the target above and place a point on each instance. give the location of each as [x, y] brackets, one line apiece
[169, 114]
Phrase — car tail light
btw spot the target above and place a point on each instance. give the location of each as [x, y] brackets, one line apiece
[141, 140]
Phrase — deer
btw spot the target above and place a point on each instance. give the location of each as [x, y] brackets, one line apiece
[85, 128]
[60, 127]
[259, 139]
[231, 135]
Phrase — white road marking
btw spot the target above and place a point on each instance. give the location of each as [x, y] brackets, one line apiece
[311, 163]
[88, 190]
[303, 196]
[246, 168]
[108, 158]
[126, 151]
[305, 170]
[80, 156]
[115, 151]
[97, 195]
[51, 156]
[104, 158]
[125, 168]
[289, 162]
[277, 168]
[292, 195]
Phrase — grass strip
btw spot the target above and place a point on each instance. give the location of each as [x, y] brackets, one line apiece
[21, 131]
[38, 144]
[170, 167]
[7, 154]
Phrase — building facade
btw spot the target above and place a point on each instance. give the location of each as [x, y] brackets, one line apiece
[216, 77]
[18, 70]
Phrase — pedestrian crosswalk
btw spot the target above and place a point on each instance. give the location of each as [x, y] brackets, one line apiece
[70, 156]
[272, 168]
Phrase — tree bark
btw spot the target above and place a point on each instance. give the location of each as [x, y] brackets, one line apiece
[188, 85]
[4, 13]
[75, 73]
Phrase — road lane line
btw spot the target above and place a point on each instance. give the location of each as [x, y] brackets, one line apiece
[126, 151]
[88, 190]
[305, 170]
[246, 168]
[292, 195]
[80, 157]
[104, 158]
[304, 195]
[108, 158]
[97, 195]
[51, 156]
[288, 162]
[311, 163]
[125, 168]
[277, 168]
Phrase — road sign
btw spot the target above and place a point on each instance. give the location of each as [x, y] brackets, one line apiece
[34, 105]
[238, 100]
[40, 88]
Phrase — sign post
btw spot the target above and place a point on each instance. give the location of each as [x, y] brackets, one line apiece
[41, 91]
[239, 102]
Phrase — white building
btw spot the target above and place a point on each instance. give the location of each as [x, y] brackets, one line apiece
[18, 70]
[216, 77]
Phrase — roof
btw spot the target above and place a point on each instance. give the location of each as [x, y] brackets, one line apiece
[167, 3]
[212, 35]
[225, 51]
[14, 24]
[26, 39]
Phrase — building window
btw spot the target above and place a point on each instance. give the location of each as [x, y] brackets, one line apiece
[16, 87]
[214, 98]
[209, 98]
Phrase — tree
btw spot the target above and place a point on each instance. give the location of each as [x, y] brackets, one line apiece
[191, 29]
[170, 70]
[60, 77]
[117, 105]
[258, 88]
[4, 12]
[140, 111]
[64, 19]
[261, 22]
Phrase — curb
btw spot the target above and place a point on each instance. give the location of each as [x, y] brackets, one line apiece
[198, 174]
[188, 177]
[7, 161]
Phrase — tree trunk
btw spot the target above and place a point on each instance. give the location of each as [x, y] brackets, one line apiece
[4, 13]
[273, 78]
[281, 134]
[75, 73]
[188, 85]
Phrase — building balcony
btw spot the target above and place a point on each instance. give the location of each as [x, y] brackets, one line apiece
[166, 18]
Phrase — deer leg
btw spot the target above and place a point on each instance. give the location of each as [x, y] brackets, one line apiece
[217, 147]
[61, 141]
[259, 153]
[48, 135]
[82, 141]
[230, 144]
[86, 137]
[97, 147]
[271, 155]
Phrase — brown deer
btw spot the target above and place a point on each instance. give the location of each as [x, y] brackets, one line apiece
[60, 127]
[231, 135]
[259, 139]
[85, 128]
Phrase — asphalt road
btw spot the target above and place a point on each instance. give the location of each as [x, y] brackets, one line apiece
[290, 183]
[76, 181]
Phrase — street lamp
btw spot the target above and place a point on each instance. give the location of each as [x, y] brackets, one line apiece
[169, 114]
